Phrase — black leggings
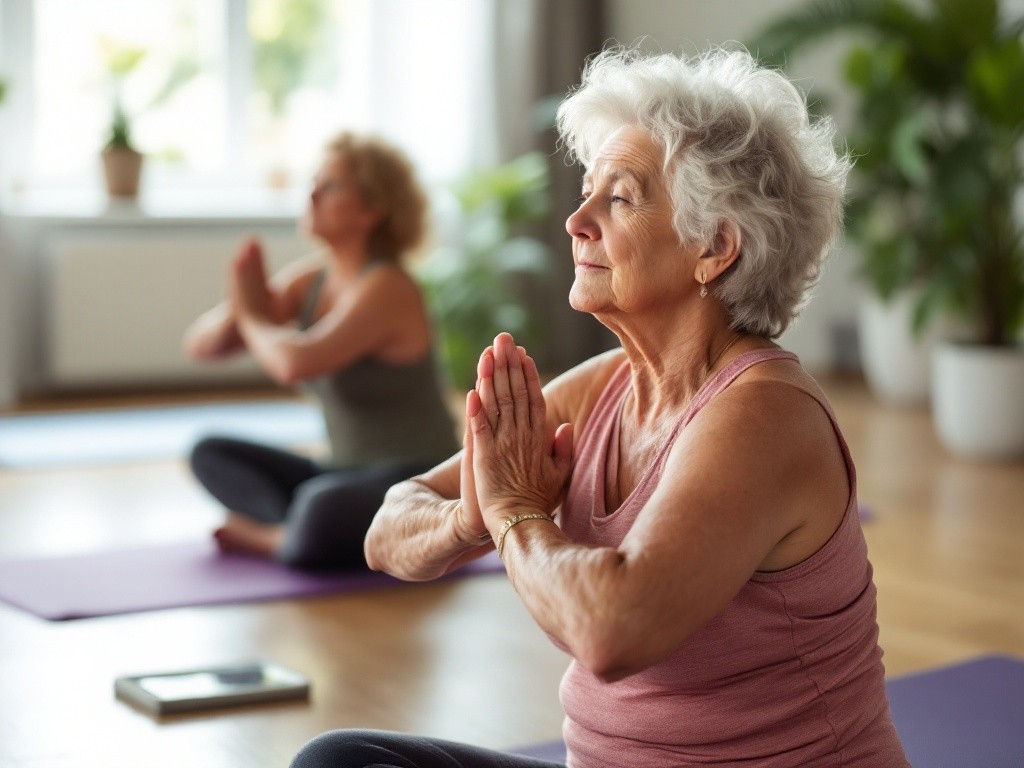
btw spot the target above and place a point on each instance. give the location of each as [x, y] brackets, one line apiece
[326, 511]
[384, 749]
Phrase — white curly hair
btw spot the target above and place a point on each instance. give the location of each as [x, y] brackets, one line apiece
[740, 147]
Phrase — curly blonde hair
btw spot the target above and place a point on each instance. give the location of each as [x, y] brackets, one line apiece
[387, 183]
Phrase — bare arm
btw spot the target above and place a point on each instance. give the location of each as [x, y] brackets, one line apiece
[430, 525]
[422, 532]
[214, 334]
[380, 311]
[695, 543]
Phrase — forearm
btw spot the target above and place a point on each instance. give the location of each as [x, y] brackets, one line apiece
[214, 334]
[416, 535]
[274, 346]
[585, 598]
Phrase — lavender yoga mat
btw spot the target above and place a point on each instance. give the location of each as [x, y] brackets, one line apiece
[171, 576]
[969, 715]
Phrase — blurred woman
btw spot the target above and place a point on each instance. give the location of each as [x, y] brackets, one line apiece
[350, 326]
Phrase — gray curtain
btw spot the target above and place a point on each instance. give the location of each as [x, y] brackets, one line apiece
[540, 49]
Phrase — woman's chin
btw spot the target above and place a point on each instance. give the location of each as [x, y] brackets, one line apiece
[583, 300]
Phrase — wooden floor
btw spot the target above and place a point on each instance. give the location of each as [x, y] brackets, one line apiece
[461, 660]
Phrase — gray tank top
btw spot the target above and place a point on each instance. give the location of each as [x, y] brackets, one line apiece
[378, 413]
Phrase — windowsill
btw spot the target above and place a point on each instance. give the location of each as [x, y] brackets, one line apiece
[156, 206]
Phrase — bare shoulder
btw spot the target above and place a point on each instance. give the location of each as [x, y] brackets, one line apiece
[773, 402]
[767, 438]
[572, 395]
[389, 281]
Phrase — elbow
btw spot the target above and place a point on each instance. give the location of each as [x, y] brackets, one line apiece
[371, 548]
[608, 658]
[193, 348]
[375, 543]
[287, 372]
[615, 647]
[284, 378]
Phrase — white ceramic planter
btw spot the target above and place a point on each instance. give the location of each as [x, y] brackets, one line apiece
[978, 400]
[897, 365]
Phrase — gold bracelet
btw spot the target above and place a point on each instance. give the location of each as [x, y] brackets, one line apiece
[507, 526]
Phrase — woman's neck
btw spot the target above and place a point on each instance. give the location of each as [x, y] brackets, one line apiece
[347, 259]
[672, 357]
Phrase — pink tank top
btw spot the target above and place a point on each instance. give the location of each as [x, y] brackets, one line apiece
[789, 674]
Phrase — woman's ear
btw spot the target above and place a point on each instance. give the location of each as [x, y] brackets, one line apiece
[724, 250]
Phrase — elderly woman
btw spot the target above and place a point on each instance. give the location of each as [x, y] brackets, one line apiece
[679, 514]
[350, 325]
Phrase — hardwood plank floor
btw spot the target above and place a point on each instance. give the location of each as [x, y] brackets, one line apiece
[461, 660]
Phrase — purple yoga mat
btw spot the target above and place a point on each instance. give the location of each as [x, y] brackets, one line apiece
[969, 715]
[171, 576]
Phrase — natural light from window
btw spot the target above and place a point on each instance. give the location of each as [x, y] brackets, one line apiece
[243, 93]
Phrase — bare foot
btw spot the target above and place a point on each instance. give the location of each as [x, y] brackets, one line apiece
[242, 534]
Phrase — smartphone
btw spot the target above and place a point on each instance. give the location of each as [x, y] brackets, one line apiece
[193, 689]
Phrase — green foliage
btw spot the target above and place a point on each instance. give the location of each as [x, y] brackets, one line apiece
[120, 129]
[121, 61]
[284, 35]
[472, 287]
[3, 90]
[938, 141]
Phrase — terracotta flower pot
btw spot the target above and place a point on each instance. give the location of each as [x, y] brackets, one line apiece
[123, 169]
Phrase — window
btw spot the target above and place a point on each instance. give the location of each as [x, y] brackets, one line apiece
[235, 93]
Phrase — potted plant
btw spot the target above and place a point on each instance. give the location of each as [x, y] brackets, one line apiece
[938, 140]
[122, 163]
[474, 285]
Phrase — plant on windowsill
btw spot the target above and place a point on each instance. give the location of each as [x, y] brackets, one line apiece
[938, 137]
[475, 287]
[122, 163]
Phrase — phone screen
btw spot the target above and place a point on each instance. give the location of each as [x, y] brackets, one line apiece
[201, 684]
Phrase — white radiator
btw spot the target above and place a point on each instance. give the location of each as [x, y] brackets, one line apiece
[117, 303]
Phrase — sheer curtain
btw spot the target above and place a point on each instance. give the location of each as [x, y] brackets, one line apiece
[422, 67]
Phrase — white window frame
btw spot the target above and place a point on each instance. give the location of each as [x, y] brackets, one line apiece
[17, 113]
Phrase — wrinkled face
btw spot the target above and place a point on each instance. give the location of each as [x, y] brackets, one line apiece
[337, 213]
[627, 254]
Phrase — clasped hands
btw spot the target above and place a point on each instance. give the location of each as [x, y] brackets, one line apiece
[248, 293]
[513, 461]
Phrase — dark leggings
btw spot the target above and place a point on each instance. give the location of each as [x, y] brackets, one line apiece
[326, 512]
[384, 749]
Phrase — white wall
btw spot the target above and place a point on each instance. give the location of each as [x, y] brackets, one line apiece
[94, 297]
[690, 26]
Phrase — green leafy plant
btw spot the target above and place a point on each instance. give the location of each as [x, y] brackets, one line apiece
[938, 141]
[284, 36]
[473, 287]
[120, 61]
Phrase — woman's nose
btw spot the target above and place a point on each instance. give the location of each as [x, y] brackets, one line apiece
[581, 225]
